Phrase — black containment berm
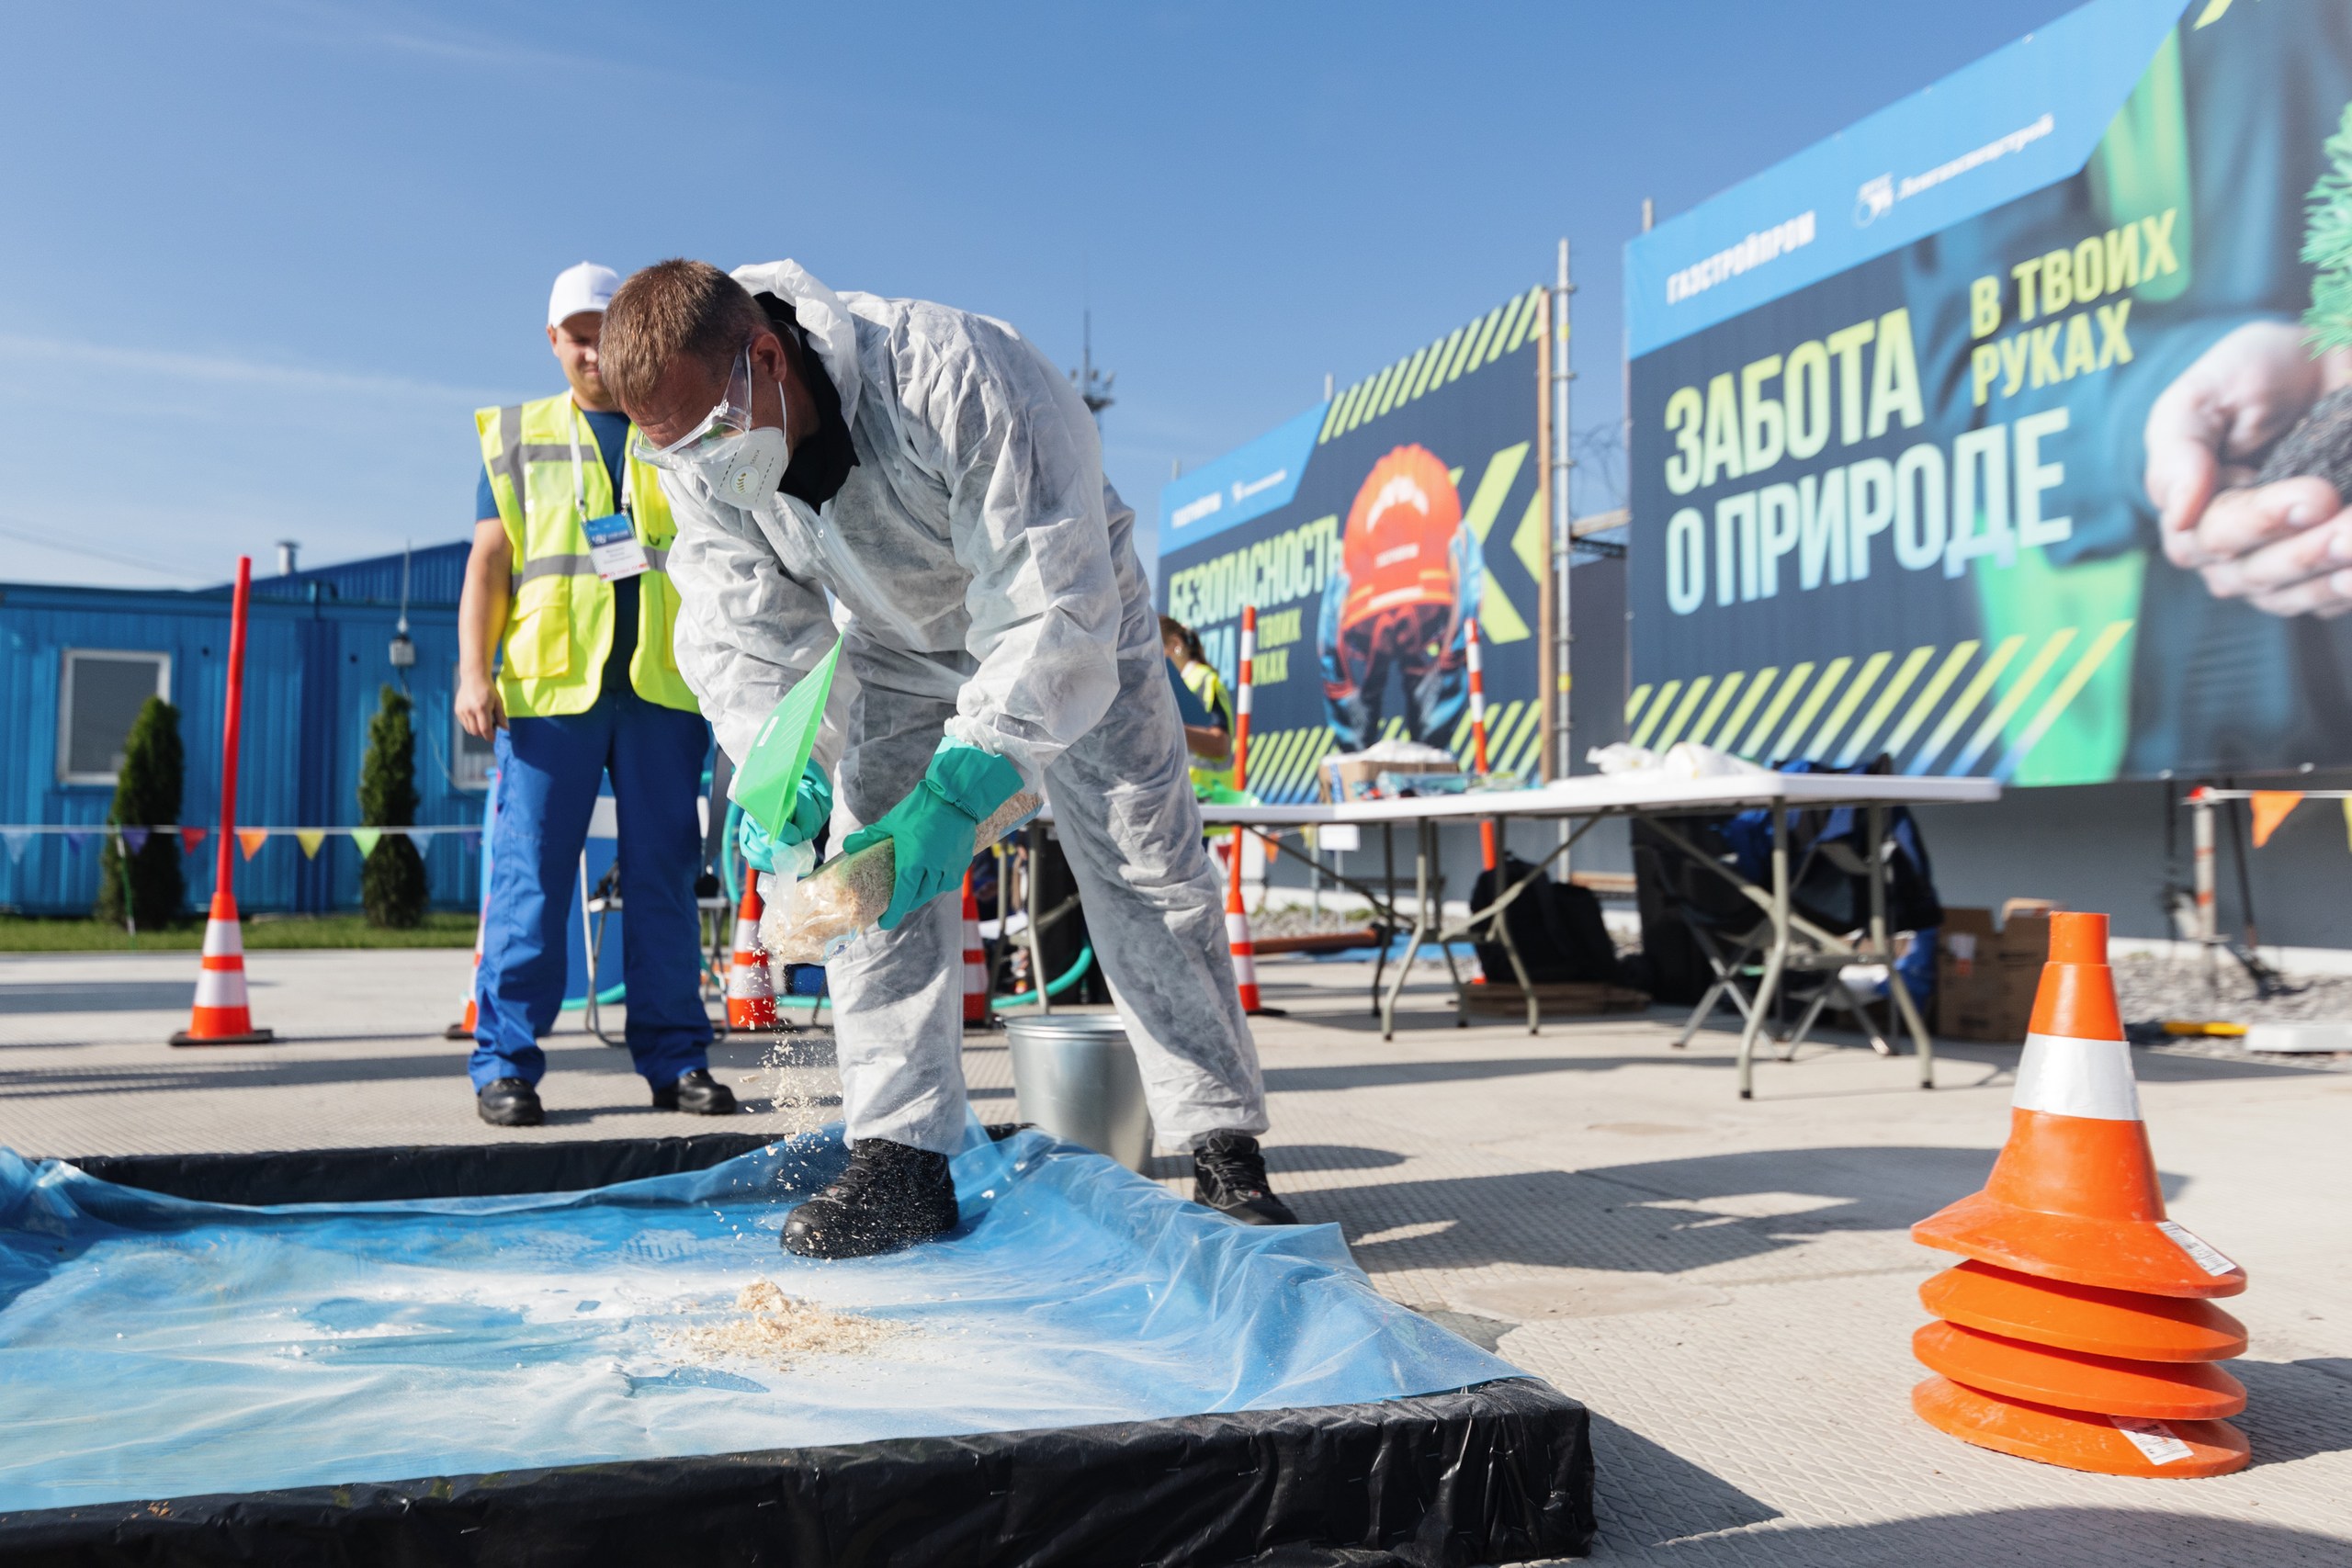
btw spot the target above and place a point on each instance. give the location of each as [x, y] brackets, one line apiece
[1498, 1472]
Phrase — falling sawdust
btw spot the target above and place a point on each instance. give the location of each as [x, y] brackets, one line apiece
[802, 1086]
[772, 1327]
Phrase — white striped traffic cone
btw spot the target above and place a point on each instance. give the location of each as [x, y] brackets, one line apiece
[221, 1016]
[1478, 735]
[976, 961]
[750, 993]
[1237, 935]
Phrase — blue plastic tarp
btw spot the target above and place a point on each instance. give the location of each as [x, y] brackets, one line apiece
[153, 1346]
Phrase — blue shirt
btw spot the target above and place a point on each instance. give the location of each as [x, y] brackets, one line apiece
[611, 431]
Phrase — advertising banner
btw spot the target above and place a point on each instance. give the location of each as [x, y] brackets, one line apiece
[1996, 434]
[1366, 532]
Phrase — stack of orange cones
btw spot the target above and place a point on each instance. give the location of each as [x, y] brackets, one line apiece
[2081, 1330]
[975, 961]
[221, 1016]
[750, 992]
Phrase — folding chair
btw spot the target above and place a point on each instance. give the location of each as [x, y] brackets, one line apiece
[1732, 935]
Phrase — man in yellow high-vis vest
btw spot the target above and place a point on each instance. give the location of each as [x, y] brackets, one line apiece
[567, 579]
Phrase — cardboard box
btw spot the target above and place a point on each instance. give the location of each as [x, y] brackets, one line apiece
[1988, 970]
[1355, 774]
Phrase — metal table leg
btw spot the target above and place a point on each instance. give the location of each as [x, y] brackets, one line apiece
[1412, 947]
[1388, 931]
[1437, 923]
[1037, 937]
[1769, 987]
[1895, 989]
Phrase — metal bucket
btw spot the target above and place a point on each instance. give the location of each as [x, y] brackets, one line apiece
[1077, 1078]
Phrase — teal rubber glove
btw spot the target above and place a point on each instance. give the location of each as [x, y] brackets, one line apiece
[931, 830]
[812, 806]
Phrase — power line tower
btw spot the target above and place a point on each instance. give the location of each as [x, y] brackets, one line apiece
[1093, 385]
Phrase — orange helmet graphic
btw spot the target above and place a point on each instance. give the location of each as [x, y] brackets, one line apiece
[1398, 547]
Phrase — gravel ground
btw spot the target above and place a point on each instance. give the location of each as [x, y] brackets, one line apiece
[2147, 987]
[1298, 919]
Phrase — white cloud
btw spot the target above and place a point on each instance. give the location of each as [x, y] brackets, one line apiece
[224, 371]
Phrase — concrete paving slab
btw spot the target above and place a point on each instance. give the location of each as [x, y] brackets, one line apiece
[1730, 1285]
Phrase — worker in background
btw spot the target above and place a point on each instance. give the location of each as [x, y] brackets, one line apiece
[568, 577]
[923, 485]
[1210, 744]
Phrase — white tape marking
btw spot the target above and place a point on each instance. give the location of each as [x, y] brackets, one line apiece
[2152, 1438]
[2206, 1255]
[2078, 1077]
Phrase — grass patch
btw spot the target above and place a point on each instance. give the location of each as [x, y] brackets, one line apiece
[20, 933]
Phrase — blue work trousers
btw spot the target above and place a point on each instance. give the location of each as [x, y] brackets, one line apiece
[549, 772]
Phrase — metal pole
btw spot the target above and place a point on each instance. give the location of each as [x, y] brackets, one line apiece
[1037, 937]
[1563, 469]
[2201, 819]
[225, 866]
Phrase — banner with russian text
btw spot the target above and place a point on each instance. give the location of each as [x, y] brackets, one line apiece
[1368, 532]
[2001, 434]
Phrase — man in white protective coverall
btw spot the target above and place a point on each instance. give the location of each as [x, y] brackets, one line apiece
[938, 478]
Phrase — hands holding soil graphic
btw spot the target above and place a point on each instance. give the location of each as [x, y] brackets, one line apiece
[2275, 534]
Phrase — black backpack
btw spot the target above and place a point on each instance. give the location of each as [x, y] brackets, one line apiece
[1557, 927]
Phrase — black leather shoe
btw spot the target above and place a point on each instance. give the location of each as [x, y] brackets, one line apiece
[891, 1196]
[510, 1102]
[697, 1094]
[1229, 1176]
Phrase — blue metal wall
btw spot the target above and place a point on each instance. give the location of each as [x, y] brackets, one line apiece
[314, 662]
[436, 574]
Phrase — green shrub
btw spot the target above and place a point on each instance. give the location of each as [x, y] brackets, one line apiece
[391, 881]
[147, 794]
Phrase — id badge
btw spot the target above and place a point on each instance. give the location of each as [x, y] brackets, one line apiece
[613, 548]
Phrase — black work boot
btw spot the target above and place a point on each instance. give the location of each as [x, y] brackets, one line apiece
[510, 1102]
[891, 1196]
[1229, 1176]
[697, 1094]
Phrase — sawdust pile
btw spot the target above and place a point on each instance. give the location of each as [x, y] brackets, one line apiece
[772, 1327]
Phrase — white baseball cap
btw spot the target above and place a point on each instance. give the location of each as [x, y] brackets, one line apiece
[585, 287]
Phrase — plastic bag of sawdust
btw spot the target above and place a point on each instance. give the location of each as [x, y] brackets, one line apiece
[816, 917]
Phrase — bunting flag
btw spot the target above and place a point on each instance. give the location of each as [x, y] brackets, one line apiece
[309, 838]
[2270, 809]
[252, 838]
[75, 841]
[135, 839]
[366, 838]
[20, 836]
[190, 838]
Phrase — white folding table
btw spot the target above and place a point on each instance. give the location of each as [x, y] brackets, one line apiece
[1590, 799]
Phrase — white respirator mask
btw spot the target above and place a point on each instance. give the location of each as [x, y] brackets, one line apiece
[740, 463]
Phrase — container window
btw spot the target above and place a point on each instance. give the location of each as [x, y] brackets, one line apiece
[474, 760]
[102, 691]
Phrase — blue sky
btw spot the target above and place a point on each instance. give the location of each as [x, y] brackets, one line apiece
[259, 261]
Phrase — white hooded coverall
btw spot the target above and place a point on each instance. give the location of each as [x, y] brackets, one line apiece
[987, 587]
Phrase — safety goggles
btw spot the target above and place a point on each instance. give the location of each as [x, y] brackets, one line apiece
[731, 418]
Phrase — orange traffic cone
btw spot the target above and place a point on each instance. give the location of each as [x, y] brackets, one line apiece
[221, 1016]
[1237, 933]
[975, 961]
[2080, 1333]
[750, 992]
[464, 1028]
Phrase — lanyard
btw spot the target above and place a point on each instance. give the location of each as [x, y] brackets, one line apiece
[579, 473]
